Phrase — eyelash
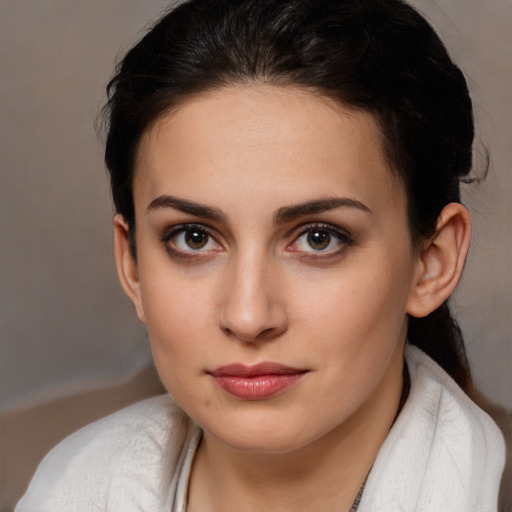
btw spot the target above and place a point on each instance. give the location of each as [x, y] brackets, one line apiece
[335, 232]
[343, 237]
[173, 232]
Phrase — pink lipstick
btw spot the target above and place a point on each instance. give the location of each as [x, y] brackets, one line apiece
[256, 382]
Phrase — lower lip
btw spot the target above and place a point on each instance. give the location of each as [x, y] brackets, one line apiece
[257, 387]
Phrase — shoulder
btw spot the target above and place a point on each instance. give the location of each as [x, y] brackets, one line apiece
[437, 391]
[487, 421]
[442, 453]
[434, 394]
[120, 462]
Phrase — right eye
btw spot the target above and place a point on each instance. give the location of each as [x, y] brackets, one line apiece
[191, 239]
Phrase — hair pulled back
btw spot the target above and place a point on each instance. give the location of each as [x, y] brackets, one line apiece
[378, 56]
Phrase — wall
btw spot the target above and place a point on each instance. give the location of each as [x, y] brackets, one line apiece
[64, 323]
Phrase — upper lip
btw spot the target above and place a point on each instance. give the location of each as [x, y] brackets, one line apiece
[256, 370]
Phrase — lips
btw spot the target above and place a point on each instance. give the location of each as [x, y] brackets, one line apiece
[256, 382]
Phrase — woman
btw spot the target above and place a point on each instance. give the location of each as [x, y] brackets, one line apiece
[286, 176]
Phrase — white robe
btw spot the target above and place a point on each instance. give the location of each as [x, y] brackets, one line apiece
[443, 454]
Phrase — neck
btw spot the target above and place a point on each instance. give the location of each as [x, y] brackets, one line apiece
[323, 476]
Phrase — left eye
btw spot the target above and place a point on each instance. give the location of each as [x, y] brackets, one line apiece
[192, 239]
[320, 239]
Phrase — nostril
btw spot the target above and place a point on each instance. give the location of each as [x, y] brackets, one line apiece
[270, 333]
[267, 334]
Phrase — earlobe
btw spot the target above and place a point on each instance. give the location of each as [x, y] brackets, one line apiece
[126, 265]
[441, 262]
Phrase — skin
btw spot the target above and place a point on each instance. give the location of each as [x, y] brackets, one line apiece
[239, 160]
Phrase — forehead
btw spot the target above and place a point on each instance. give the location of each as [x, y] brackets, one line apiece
[260, 139]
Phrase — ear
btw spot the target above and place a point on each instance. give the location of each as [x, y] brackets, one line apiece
[126, 265]
[441, 262]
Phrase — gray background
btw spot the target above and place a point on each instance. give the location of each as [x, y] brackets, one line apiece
[64, 322]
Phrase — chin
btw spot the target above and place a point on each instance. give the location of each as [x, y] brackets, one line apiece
[262, 443]
[267, 433]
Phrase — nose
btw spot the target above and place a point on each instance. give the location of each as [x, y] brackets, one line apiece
[253, 308]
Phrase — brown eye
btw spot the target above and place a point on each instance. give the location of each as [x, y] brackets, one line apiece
[318, 239]
[321, 241]
[196, 239]
[191, 239]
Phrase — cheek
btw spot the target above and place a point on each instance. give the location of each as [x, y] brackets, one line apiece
[356, 298]
[358, 312]
[178, 317]
[357, 327]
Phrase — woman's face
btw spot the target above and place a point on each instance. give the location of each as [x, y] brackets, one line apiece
[274, 264]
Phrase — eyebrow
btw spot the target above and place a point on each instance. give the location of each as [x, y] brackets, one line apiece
[289, 213]
[283, 215]
[191, 207]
